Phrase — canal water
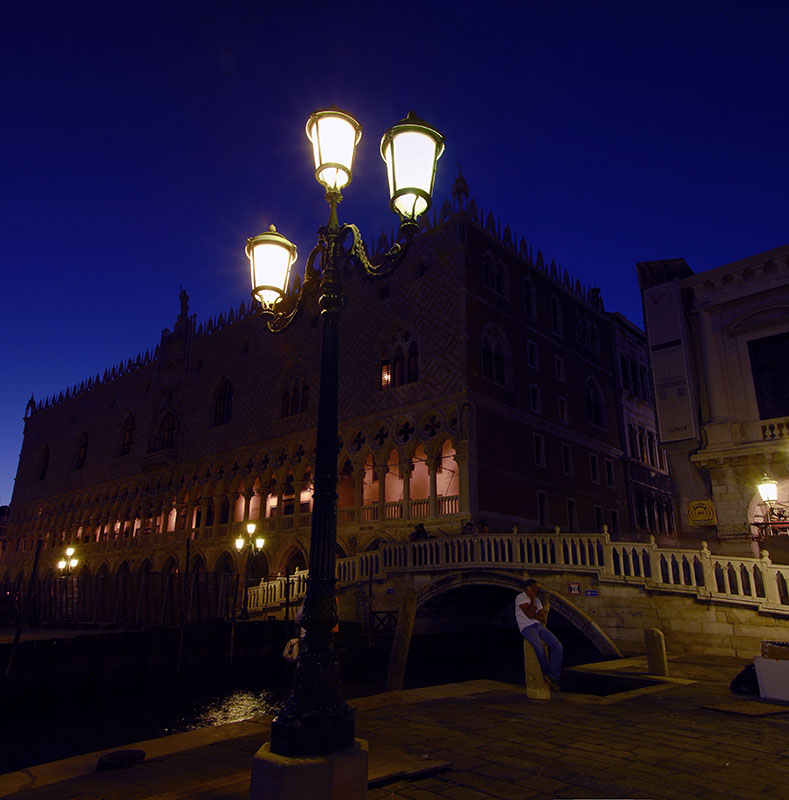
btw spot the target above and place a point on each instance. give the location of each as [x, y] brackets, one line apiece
[62, 724]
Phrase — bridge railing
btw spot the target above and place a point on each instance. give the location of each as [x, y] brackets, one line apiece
[751, 581]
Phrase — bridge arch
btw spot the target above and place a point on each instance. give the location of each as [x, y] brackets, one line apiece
[559, 603]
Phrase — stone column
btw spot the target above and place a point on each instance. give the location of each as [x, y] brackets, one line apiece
[461, 459]
[358, 494]
[297, 489]
[405, 470]
[432, 506]
[381, 471]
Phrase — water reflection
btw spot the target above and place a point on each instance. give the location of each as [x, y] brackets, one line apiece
[240, 705]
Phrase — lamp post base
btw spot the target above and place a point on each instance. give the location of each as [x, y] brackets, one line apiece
[304, 740]
[339, 776]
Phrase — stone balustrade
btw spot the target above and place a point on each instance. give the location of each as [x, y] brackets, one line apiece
[754, 582]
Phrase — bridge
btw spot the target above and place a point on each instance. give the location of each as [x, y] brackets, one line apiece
[610, 590]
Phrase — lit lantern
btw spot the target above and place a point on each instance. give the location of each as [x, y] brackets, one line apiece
[259, 542]
[251, 528]
[334, 136]
[239, 544]
[768, 490]
[271, 257]
[410, 149]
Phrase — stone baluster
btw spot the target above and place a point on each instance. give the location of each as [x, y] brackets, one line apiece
[769, 578]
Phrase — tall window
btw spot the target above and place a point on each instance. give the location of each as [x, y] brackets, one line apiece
[167, 432]
[594, 468]
[529, 298]
[43, 464]
[494, 275]
[542, 510]
[770, 371]
[401, 364]
[567, 459]
[127, 435]
[295, 397]
[535, 398]
[223, 403]
[572, 516]
[557, 324]
[533, 354]
[539, 450]
[594, 403]
[494, 356]
[558, 368]
[82, 450]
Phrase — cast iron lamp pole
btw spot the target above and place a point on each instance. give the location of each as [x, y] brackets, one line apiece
[316, 720]
[254, 545]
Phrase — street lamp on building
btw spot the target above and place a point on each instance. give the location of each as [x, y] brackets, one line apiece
[768, 491]
[253, 545]
[316, 720]
[65, 565]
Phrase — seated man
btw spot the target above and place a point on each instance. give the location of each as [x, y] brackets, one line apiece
[530, 616]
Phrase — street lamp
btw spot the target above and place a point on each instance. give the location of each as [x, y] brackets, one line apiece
[768, 491]
[316, 720]
[65, 565]
[254, 545]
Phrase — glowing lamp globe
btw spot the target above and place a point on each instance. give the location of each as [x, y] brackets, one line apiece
[73, 563]
[251, 528]
[768, 490]
[271, 257]
[61, 564]
[334, 136]
[410, 150]
[239, 544]
[259, 542]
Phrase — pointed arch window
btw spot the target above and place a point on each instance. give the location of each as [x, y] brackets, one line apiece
[594, 403]
[295, 396]
[223, 403]
[401, 364]
[494, 356]
[167, 432]
[494, 275]
[127, 435]
[82, 451]
[43, 463]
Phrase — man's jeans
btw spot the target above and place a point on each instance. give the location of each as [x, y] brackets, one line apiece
[535, 634]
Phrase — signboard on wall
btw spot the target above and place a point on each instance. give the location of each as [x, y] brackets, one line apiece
[665, 324]
[702, 512]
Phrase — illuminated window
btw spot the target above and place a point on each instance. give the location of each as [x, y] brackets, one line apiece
[386, 374]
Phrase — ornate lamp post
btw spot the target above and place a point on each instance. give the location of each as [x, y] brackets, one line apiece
[65, 565]
[316, 720]
[254, 545]
[768, 491]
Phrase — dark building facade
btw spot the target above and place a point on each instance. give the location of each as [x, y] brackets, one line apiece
[477, 383]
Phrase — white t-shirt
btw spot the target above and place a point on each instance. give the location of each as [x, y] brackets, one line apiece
[520, 616]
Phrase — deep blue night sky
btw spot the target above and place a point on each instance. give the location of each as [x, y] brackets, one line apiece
[142, 143]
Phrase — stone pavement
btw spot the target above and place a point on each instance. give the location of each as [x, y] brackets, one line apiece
[686, 738]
